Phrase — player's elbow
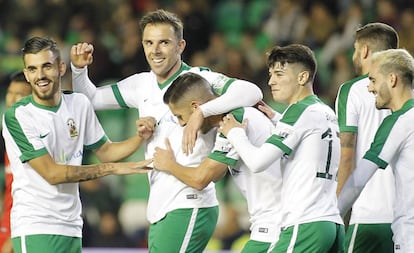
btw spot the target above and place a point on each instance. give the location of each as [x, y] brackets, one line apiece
[256, 167]
[54, 179]
[200, 182]
[200, 185]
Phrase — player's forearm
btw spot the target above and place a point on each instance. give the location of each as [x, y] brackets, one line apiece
[355, 184]
[116, 151]
[81, 82]
[73, 174]
[239, 94]
[102, 98]
[191, 176]
[347, 160]
[257, 159]
[346, 166]
[88, 172]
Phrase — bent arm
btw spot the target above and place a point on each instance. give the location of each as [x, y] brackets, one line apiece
[116, 151]
[257, 159]
[198, 177]
[355, 184]
[347, 160]
[239, 94]
[55, 173]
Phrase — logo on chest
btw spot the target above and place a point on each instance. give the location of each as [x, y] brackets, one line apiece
[72, 127]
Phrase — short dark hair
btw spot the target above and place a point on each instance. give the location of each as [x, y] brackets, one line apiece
[379, 36]
[36, 44]
[17, 76]
[294, 53]
[185, 83]
[161, 16]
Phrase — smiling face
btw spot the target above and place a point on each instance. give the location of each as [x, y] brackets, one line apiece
[44, 72]
[379, 86]
[162, 49]
[283, 82]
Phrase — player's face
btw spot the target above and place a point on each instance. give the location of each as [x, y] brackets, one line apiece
[181, 111]
[378, 86]
[44, 73]
[283, 82]
[162, 49]
[356, 59]
[16, 91]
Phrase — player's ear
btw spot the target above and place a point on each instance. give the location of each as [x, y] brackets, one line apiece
[303, 77]
[364, 51]
[181, 46]
[194, 105]
[62, 68]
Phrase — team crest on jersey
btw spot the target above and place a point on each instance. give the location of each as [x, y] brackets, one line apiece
[72, 127]
[219, 83]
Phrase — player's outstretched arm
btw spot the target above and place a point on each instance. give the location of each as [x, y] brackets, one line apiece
[102, 98]
[116, 151]
[61, 173]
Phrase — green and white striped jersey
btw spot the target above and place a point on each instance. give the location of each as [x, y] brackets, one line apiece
[307, 133]
[394, 144]
[355, 107]
[32, 130]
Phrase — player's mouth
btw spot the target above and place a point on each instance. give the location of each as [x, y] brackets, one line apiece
[43, 84]
[158, 60]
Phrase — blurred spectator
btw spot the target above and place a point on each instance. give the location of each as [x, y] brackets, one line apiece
[286, 23]
[194, 14]
[406, 30]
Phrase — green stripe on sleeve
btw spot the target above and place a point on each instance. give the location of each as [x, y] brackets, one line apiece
[16, 131]
[118, 96]
[373, 157]
[277, 141]
[27, 156]
[342, 105]
[221, 157]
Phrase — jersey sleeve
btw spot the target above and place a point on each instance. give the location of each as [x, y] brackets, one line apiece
[223, 151]
[346, 106]
[103, 97]
[387, 142]
[25, 136]
[219, 82]
[291, 128]
[230, 91]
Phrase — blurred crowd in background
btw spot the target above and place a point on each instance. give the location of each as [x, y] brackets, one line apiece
[228, 36]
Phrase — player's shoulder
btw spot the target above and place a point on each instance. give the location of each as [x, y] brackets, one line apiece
[77, 98]
[356, 82]
[138, 77]
[311, 105]
[19, 105]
